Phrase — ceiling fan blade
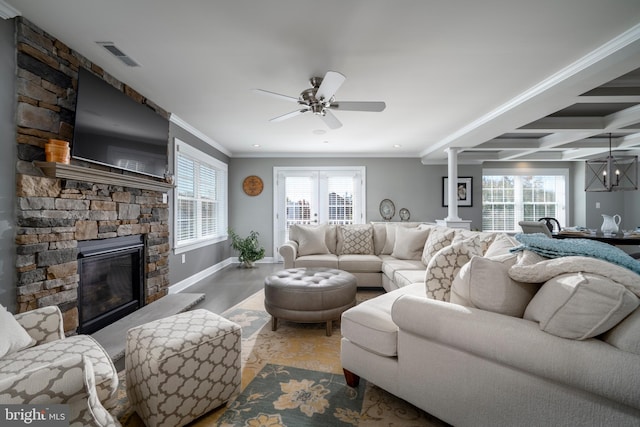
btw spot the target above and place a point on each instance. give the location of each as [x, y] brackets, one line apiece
[277, 95]
[358, 106]
[330, 85]
[331, 120]
[288, 115]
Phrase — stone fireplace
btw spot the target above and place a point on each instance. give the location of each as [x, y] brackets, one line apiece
[62, 207]
[56, 216]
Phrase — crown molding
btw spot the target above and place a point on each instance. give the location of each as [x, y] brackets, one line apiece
[7, 11]
[195, 132]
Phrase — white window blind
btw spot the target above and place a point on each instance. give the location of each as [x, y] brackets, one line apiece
[201, 202]
[521, 195]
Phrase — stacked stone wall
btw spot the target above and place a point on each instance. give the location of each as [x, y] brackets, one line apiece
[54, 214]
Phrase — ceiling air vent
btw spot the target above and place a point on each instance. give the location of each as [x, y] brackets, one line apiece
[115, 51]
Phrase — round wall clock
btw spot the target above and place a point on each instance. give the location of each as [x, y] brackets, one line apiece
[252, 185]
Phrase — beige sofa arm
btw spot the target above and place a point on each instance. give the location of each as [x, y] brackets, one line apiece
[68, 380]
[42, 324]
[289, 251]
[521, 344]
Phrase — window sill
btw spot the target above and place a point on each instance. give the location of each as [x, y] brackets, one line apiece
[186, 247]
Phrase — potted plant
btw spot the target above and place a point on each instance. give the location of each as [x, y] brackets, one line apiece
[249, 249]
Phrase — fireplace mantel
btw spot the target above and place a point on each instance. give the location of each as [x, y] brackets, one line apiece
[81, 173]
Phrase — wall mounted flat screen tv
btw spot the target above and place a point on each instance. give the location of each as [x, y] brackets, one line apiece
[114, 130]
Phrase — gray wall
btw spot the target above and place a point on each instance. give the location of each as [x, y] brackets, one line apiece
[7, 164]
[202, 258]
[407, 182]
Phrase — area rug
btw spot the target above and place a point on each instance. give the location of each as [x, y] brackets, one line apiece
[293, 377]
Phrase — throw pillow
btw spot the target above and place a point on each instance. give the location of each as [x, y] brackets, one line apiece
[13, 337]
[484, 283]
[626, 334]
[311, 240]
[501, 245]
[445, 265]
[409, 243]
[486, 238]
[580, 305]
[355, 239]
[439, 237]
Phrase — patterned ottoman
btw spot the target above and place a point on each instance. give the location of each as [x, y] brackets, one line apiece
[309, 295]
[181, 367]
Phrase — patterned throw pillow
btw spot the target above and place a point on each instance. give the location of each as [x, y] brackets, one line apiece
[355, 239]
[439, 237]
[445, 265]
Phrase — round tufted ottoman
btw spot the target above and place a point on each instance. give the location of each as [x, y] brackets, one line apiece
[309, 295]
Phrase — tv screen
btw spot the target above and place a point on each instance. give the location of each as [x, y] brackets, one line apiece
[114, 130]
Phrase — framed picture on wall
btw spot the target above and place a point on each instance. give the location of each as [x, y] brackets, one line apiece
[464, 191]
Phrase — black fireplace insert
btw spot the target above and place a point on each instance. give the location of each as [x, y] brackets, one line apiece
[111, 280]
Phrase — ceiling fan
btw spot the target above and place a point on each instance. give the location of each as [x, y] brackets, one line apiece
[320, 99]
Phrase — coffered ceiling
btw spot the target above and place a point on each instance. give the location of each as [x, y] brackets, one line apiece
[500, 79]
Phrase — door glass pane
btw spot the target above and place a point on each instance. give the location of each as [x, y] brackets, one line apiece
[299, 200]
[340, 199]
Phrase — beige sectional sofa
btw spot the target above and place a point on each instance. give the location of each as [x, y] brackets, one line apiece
[499, 338]
[380, 254]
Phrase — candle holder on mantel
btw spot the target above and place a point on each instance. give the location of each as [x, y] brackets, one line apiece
[57, 151]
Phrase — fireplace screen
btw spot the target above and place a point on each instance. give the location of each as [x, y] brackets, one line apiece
[111, 278]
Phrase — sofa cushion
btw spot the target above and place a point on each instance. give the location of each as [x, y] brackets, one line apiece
[445, 264]
[409, 243]
[391, 264]
[13, 337]
[501, 245]
[484, 283]
[315, 261]
[626, 334]
[330, 237]
[355, 239]
[391, 228]
[439, 237]
[404, 278]
[311, 240]
[580, 305]
[379, 236]
[360, 263]
[369, 323]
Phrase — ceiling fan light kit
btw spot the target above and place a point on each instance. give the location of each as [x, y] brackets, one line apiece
[320, 99]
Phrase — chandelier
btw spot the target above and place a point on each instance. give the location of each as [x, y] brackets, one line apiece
[611, 173]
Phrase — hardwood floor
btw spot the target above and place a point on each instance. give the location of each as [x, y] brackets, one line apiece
[231, 285]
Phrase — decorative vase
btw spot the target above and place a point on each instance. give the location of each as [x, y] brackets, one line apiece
[610, 224]
[57, 151]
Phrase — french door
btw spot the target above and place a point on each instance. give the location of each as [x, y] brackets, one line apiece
[317, 195]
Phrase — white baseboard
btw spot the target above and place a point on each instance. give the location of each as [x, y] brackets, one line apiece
[203, 274]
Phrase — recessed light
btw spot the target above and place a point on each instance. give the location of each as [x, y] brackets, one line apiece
[326, 142]
[256, 145]
[397, 145]
[319, 132]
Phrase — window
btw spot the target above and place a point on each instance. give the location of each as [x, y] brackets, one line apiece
[510, 196]
[201, 198]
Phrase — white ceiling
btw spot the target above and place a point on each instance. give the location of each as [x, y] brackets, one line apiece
[452, 73]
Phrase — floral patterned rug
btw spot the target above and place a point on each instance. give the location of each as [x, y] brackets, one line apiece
[293, 377]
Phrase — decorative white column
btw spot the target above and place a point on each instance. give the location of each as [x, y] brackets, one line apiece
[452, 188]
[453, 220]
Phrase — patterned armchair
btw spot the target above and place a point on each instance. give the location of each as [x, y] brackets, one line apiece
[75, 371]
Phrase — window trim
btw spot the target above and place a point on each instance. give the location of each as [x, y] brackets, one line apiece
[561, 171]
[181, 147]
